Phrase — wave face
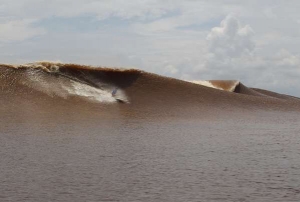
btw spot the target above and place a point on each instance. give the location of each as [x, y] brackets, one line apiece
[58, 80]
[76, 89]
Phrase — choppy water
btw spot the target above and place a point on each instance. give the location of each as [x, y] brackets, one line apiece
[132, 160]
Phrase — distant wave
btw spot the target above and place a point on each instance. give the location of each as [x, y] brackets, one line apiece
[229, 85]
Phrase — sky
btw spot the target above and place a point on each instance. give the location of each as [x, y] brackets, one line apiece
[253, 41]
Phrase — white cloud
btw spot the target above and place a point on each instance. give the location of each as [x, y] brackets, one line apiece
[101, 8]
[269, 13]
[233, 55]
[18, 30]
[231, 39]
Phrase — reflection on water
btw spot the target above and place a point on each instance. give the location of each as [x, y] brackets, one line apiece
[151, 161]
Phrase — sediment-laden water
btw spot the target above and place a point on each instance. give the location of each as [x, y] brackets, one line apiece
[64, 136]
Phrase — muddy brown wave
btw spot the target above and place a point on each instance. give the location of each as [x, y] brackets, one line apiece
[46, 88]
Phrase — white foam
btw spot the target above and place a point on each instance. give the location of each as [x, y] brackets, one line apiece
[65, 87]
[206, 83]
[44, 83]
[89, 92]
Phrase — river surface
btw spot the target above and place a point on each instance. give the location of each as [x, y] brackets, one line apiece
[149, 160]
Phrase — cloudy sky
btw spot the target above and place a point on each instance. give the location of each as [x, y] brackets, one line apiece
[254, 41]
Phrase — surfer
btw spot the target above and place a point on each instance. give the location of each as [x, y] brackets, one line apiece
[113, 93]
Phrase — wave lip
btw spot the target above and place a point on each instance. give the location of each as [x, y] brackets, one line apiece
[226, 85]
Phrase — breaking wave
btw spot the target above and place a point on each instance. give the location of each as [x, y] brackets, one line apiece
[225, 85]
[53, 80]
[48, 86]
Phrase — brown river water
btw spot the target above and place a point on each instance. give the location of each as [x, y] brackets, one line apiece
[63, 137]
[151, 161]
